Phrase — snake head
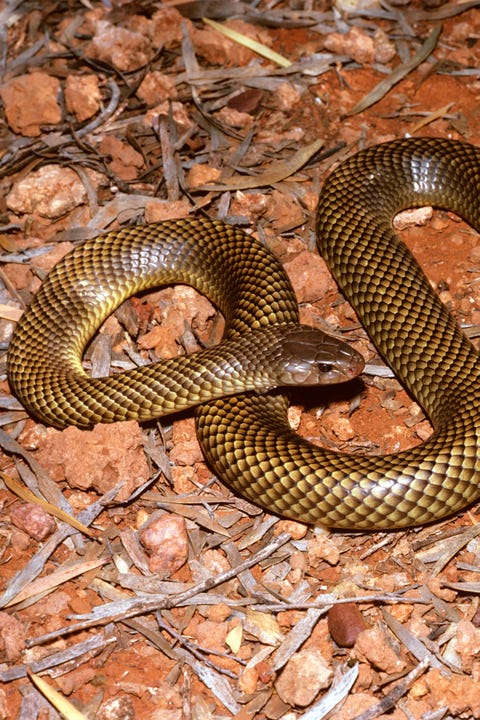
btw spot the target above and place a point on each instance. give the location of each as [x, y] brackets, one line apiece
[311, 357]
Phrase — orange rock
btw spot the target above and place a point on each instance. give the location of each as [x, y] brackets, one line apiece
[98, 458]
[82, 96]
[165, 541]
[372, 646]
[305, 674]
[30, 102]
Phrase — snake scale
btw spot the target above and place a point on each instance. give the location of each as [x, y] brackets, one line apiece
[246, 437]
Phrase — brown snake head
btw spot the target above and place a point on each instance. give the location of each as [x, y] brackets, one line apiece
[311, 357]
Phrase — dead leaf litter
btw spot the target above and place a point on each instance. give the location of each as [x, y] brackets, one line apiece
[153, 592]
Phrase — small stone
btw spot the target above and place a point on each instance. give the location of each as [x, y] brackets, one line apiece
[467, 644]
[52, 191]
[345, 623]
[79, 677]
[186, 449]
[212, 635]
[156, 88]
[31, 101]
[354, 6]
[100, 458]
[356, 43]
[215, 562]
[294, 416]
[305, 674]
[82, 96]
[217, 49]
[164, 110]
[412, 217]
[234, 118]
[251, 205]
[458, 692]
[117, 708]
[423, 430]
[248, 680]
[385, 50]
[310, 276]
[166, 27]
[125, 160]
[12, 637]
[263, 626]
[200, 174]
[341, 426]
[296, 530]
[372, 645]
[321, 548]
[287, 96]
[218, 613]
[19, 541]
[184, 479]
[165, 541]
[157, 210]
[124, 49]
[33, 520]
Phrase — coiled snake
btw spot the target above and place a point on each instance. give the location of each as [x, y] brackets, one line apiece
[246, 438]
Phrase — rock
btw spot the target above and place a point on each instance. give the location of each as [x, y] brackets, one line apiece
[12, 637]
[345, 623]
[373, 646]
[98, 458]
[82, 96]
[30, 102]
[165, 541]
[33, 520]
[52, 191]
[305, 674]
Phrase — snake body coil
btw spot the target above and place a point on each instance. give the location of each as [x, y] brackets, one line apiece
[246, 438]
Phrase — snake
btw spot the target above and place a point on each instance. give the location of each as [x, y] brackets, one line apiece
[242, 424]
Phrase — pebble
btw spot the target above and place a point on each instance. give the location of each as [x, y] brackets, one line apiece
[345, 623]
[305, 674]
[165, 541]
[33, 520]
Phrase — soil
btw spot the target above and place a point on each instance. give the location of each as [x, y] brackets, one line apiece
[177, 599]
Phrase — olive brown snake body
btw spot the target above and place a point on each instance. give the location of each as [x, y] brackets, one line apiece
[246, 437]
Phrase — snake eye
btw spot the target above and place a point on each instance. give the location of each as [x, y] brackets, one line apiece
[324, 368]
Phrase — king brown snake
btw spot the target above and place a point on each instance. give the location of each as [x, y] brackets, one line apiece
[245, 436]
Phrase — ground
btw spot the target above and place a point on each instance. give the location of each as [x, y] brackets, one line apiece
[176, 598]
